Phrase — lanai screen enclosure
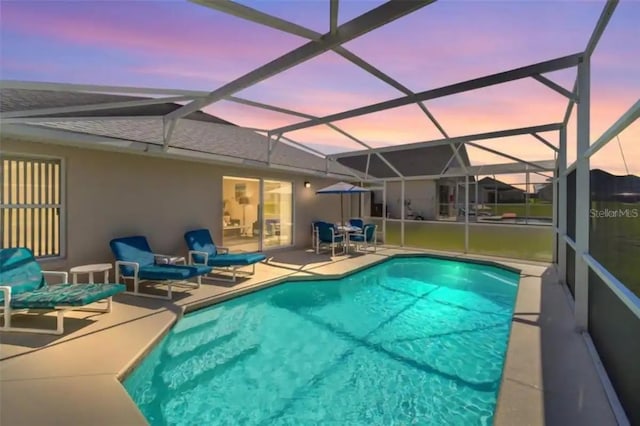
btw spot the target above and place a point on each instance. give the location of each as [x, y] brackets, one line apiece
[433, 193]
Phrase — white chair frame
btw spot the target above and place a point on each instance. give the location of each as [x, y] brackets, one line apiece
[332, 244]
[8, 311]
[136, 280]
[364, 246]
[233, 269]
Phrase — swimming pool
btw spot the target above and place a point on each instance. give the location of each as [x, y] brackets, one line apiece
[409, 341]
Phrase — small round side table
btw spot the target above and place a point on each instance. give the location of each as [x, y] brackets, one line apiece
[91, 269]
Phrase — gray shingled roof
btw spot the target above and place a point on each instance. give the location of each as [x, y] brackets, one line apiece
[27, 99]
[206, 133]
[423, 161]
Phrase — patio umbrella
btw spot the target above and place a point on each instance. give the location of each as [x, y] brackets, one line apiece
[342, 188]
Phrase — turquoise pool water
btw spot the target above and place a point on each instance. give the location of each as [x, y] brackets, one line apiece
[409, 341]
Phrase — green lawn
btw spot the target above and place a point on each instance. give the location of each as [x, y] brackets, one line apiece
[535, 209]
[519, 242]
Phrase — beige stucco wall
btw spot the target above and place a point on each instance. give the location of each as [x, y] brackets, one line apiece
[113, 194]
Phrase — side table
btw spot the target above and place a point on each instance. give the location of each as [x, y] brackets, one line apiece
[91, 269]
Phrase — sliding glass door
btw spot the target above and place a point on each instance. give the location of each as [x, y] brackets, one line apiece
[240, 218]
[278, 214]
[257, 214]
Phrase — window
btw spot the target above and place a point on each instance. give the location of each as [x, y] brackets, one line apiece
[31, 204]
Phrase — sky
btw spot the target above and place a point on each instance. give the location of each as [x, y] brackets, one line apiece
[182, 45]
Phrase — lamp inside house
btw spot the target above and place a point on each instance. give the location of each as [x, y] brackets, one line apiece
[307, 184]
[244, 201]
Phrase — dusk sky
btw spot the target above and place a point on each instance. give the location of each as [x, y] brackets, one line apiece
[177, 44]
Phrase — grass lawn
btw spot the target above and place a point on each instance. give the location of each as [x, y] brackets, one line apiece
[535, 209]
[519, 242]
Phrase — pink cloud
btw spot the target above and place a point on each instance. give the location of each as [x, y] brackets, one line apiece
[248, 116]
[162, 35]
[213, 76]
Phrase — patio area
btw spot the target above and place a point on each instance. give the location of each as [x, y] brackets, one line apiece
[549, 377]
[473, 134]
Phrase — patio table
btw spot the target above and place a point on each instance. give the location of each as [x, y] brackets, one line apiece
[90, 270]
[346, 230]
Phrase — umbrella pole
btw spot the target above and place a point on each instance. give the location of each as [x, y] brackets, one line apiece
[342, 209]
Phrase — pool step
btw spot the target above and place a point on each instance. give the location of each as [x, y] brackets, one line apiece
[191, 333]
[207, 360]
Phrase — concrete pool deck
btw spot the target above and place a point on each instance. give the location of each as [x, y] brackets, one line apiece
[549, 377]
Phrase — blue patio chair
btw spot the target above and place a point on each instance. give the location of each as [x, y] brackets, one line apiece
[203, 251]
[314, 232]
[23, 287]
[357, 222]
[366, 238]
[135, 261]
[327, 234]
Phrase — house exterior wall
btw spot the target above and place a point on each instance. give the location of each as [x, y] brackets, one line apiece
[421, 193]
[114, 194]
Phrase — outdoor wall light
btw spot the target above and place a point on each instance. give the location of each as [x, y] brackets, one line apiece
[307, 184]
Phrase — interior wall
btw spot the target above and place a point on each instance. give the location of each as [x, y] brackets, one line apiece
[114, 194]
[249, 212]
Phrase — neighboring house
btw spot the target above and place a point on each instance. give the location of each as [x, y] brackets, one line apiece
[73, 181]
[425, 198]
[492, 191]
[545, 193]
[608, 187]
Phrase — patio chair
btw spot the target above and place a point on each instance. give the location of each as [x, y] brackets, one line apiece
[135, 261]
[314, 232]
[23, 287]
[327, 234]
[366, 238]
[203, 251]
[357, 222]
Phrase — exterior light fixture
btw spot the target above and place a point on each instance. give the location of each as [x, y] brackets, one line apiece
[307, 184]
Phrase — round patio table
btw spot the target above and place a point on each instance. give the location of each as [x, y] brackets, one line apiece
[346, 230]
[91, 269]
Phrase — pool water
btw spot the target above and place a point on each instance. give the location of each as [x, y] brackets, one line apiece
[409, 341]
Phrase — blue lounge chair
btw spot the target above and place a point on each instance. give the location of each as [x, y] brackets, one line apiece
[327, 234]
[203, 251]
[135, 261]
[23, 287]
[366, 238]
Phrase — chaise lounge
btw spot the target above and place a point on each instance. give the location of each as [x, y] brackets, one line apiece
[135, 261]
[203, 251]
[23, 287]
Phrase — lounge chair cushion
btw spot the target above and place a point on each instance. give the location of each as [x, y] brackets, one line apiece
[49, 297]
[171, 272]
[19, 270]
[132, 249]
[200, 240]
[235, 259]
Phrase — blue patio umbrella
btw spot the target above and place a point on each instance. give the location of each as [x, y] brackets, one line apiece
[342, 188]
